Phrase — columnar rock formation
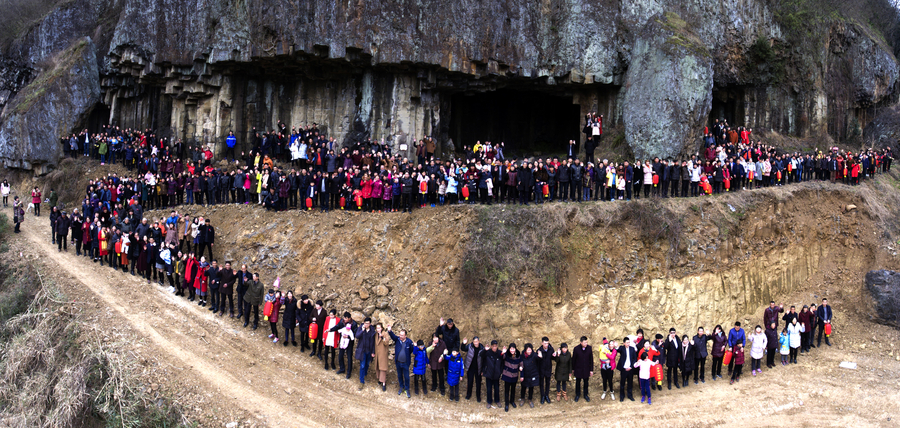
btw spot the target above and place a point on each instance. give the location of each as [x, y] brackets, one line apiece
[657, 70]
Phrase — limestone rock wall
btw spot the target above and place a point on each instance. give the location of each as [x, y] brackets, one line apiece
[385, 68]
[45, 110]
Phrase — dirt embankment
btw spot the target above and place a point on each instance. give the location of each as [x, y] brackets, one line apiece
[623, 266]
[731, 255]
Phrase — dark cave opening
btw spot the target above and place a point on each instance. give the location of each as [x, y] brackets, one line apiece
[528, 122]
[728, 104]
[99, 116]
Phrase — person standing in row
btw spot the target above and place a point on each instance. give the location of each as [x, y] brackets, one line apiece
[627, 358]
[563, 370]
[380, 355]
[545, 358]
[735, 336]
[512, 369]
[700, 355]
[472, 367]
[824, 316]
[583, 368]
[491, 366]
[436, 353]
[403, 353]
[758, 344]
[719, 346]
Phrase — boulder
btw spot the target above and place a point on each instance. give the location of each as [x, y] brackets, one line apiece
[884, 287]
[669, 89]
[57, 101]
[382, 290]
[363, 293]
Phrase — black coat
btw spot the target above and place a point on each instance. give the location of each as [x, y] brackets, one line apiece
[582, 361]
[546, 360]
[700, 346]
[626, 352]
[673, 353]
[687, 359]
[491, 364]
[303, 315]
[450, 336]
[530, 370]
[289, 317]
[525, 179]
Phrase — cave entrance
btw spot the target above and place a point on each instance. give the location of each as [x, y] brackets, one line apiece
[728, 104]
[528, 122]
[99, 116]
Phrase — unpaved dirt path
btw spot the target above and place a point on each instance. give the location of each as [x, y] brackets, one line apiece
[242, 377]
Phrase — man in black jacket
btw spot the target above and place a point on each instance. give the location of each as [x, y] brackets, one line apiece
[449, 334]
[545, 357]
[319, 314]
[406, 187]
[243, 281]
[700, 354]
[491, 367]
[207, 239]
[627, 357]
[227, 278]
[61, 231]
[349, 351]
[212, 273]
[673, 358]
[303, 319]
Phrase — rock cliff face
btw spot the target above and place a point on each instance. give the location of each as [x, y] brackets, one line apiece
[390, 69]
[58, 99]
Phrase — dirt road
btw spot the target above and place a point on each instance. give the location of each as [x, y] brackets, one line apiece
[221, 373]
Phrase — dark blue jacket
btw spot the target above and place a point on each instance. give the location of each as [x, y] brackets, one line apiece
[398, 346]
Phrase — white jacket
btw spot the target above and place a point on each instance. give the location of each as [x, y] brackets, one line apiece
[794, 331]
[759, 341]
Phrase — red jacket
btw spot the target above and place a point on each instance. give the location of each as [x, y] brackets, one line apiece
[738, 356]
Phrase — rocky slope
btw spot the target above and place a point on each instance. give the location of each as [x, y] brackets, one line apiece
[382, 69]
[732, 255]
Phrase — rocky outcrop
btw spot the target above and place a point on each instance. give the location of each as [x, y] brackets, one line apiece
[382, 69]
[669, 89]
[51, 106]
[884, 286]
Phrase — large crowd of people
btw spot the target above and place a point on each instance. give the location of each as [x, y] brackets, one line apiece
[304, 168]
[173, 249]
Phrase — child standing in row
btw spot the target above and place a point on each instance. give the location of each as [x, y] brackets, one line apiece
[644, 365]
[421, 357]
[738, 362]
[784, 343]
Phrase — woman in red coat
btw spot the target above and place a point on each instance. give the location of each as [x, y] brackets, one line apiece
[36, 200]
[366, 188]
[190, 272]
[200, 281]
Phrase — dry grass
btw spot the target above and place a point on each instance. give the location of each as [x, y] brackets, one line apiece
[52, 374]
[511, 244]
